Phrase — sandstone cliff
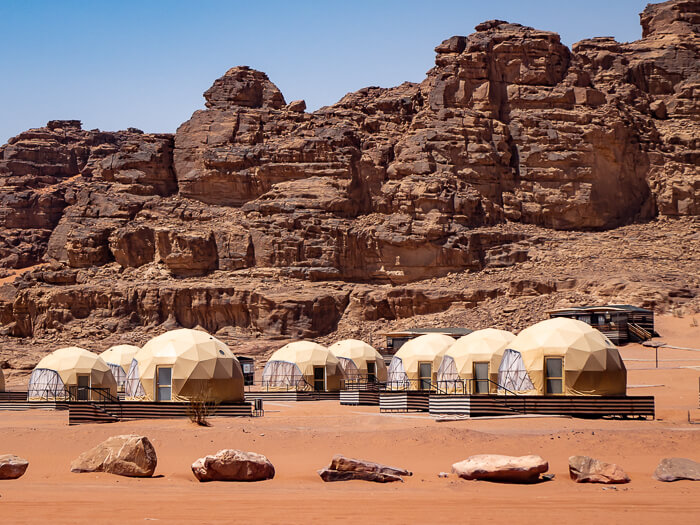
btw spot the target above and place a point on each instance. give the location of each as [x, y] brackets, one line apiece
[258, 215]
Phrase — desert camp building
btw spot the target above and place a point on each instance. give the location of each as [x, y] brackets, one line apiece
[621, 323]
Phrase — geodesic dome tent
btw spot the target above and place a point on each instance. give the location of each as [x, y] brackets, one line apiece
[303, 365]
[471, 364]
[563, 356]
[182, 365]
[119, 358]
[359, 361]
[415, 364]
[71, 368]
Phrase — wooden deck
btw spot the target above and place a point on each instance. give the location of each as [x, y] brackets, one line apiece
[293, 396]
[575, 406]
[359, 397]
[408, 401]
[87, 412]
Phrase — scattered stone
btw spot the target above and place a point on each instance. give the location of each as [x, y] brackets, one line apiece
[126, 455]
[495, 467]
[12, 467]
[233, 465]
[584, 469]
[443, 475]
[675, 469]
[345, 469]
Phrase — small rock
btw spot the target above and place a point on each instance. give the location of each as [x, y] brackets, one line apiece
[674, 469]
[345, 469]
[12, 467]
[443, 475]
[233, 465]
[584, 469]
[298, 106]
[127, 455]
[495, 467]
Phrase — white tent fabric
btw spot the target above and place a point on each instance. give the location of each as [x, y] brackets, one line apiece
[396, 376]
[282, 374]
[118, 373]
[349, 367]
[45, 384]
[132, 384]
[512, 374]
[448, 377]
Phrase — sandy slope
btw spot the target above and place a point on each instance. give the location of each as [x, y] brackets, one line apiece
[301, 437]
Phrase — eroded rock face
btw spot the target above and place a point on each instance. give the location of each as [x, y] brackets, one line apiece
[233, 465]
[494, 467]
[12, 467]
[387, 186]
[127, 455]
[583, 469]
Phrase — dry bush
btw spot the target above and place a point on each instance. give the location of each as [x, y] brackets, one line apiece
[200, 408]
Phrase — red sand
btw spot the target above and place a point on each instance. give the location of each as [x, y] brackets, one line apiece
[301, 437]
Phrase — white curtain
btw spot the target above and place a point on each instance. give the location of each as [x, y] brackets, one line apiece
[349, 368]
[282, 374]
[512, 374]
[448, 378]
[397, 379]
[118, 373]
[132, 385]
[46, 385]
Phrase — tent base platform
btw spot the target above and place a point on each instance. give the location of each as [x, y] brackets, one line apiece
[575, 406]
[87, 412]
[359, 397]
[408, 401]
[290, 396]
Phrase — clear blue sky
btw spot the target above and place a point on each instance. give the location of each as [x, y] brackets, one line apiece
[120, 63]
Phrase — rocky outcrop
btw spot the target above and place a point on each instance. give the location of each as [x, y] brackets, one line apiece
[494, 467]
[389, 186]
[233, 465]
[583, 469]
[127, 455]
[676, 469]
[12, 467]
[342, 468]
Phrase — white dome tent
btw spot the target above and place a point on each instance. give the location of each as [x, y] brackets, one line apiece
[415, 364]
[119, 358]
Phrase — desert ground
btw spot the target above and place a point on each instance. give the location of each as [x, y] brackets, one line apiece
[301, 437]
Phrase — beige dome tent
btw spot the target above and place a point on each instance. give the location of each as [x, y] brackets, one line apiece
[360, 362]
[563, 356]
[83, 373]
[184, 364]
[415, 364]
[303, 365]
[471, 364]
[119, 358]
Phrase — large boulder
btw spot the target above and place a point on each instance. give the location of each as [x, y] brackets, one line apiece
[233, 465]
[584, 469]
[127, 455]
[346, 469]
[675, 469]
[494, 467]
[12, 467]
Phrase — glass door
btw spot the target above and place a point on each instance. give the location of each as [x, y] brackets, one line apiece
[83, 387]
[164, 386]
[371, 372]
[481, 378]
[425, 374]
[320, 378]
[554, 375]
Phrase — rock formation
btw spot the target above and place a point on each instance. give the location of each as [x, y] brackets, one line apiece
[676, 469]
[342, 468]
[12, 467]
[233, 465]
[583, 469]
[259, 215]
[127, 455]
[494, 467]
